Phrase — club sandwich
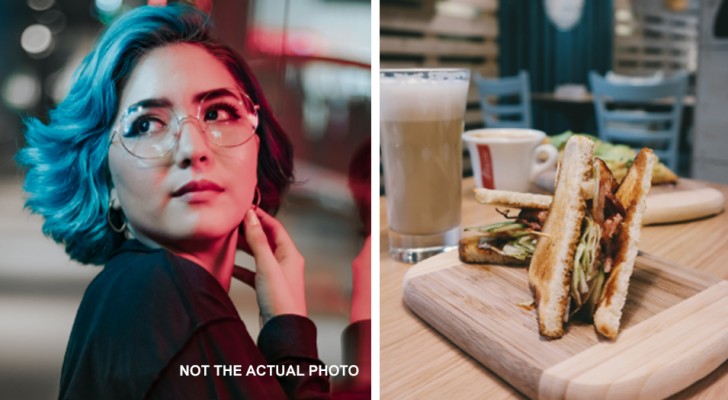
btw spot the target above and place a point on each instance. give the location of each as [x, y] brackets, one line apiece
[585, 248]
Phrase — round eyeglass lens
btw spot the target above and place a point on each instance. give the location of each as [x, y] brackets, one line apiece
[230, 119]
[148, 132]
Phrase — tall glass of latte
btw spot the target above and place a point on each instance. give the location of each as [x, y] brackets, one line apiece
[422, 112]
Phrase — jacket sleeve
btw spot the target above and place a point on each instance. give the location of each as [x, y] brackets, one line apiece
[290, 341]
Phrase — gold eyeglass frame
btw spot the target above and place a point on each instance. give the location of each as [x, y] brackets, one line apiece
[200, 124]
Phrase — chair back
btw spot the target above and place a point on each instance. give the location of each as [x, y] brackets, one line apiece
[505, 102]
[641, 115]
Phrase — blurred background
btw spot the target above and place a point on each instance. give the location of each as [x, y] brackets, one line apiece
[313, 60]
[559, 42]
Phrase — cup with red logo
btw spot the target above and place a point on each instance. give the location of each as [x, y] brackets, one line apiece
[508, 158]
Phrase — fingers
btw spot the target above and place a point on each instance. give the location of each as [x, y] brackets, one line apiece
[244, 275]
[281, 242]
[271, 227]
[258, 241]
[279, 266]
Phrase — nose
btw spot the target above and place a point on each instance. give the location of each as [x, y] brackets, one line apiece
[192, 147]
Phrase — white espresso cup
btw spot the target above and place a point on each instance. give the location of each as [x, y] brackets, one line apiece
[508, 158]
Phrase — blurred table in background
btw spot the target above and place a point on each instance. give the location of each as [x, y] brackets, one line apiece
[580, 109]
[579, 112]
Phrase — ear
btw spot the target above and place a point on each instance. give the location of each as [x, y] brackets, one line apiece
[114, 200]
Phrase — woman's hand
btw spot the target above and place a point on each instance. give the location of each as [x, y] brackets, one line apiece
[278, 280]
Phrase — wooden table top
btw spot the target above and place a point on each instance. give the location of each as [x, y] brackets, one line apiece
[418, 363]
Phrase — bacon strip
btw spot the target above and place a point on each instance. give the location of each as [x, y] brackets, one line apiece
[533, 218]
[609, 213]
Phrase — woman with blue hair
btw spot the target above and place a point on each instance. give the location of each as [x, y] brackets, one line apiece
[163, 161]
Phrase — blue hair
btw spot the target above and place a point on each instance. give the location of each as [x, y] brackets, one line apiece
[68, 180]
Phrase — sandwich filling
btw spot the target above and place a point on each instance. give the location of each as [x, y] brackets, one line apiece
[594, 255]
[515, 237]
[597, 247]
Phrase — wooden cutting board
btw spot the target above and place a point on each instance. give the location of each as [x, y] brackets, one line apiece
[674, 329]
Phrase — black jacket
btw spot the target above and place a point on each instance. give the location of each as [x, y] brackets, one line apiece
[151, 319]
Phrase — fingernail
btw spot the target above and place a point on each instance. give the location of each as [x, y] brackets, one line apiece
[252, 218]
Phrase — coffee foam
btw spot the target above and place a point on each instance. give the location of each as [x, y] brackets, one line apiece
[412, 97]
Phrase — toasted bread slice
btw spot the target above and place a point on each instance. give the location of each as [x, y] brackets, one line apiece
[505, 198]
[550, 270]
[470, 253]
[632, 194]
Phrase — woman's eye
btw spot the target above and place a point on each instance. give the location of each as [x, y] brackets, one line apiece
[145, 127]
[211, 115]
[222, 113]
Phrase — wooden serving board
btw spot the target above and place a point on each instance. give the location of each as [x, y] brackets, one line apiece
[674, 329]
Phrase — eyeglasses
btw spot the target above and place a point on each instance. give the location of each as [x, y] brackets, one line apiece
[150, 129]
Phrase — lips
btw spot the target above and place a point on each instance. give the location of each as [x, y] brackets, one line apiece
[202, 185]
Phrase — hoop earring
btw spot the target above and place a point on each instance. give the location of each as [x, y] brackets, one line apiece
[111, 224]
[257, 198]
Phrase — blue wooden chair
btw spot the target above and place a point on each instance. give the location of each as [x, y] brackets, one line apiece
[505, 102]
[636, 125]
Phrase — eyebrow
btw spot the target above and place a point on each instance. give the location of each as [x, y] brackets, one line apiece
[213, 94]
[165, 102]
[149, 103]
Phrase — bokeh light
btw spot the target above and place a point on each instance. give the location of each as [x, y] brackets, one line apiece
[36, 39]
[41, 5]
[54, 20]
[108, 6]
[21, 91]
